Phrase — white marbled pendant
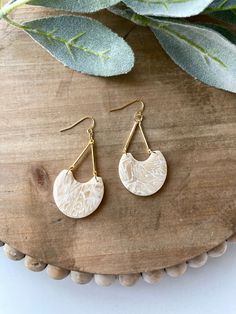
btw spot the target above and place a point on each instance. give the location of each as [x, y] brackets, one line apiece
[143, 178]
[76, 199]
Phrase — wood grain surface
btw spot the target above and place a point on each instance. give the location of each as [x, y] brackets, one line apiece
[192, 124]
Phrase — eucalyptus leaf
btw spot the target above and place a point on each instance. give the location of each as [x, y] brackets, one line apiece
[202, 52]
[82, 44]
[226, 16]
[169, 8]
[231, 36]
[85, 6]
[123, 11]
[221, 5]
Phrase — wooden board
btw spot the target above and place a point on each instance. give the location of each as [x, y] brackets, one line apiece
[192, 124]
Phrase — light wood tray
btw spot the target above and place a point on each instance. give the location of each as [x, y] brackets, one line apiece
[192, 124]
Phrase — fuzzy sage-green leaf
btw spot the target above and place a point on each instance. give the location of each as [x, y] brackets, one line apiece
[231, 36]
[171, 8]
[200, 51]
[82, 44]
[75, 5]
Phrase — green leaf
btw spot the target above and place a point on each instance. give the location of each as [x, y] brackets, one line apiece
[82, 44]
[221, 5]
[222, 30]
[171, 8]
[123, 11]
[75, 5]
[202, 52]
[226, 16]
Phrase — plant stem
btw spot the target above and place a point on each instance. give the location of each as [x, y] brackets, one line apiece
[10, 6]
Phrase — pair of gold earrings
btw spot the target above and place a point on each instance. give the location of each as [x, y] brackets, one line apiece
[142, 178]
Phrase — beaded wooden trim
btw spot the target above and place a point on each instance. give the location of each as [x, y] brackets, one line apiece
[128, 280]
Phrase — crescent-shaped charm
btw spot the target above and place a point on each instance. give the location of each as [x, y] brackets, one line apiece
[143, 178]
[76, 199]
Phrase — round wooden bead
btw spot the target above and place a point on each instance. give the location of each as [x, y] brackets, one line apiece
[153, 277]
[12, 253]
[129, 280]
[57, 273]
[81, 277]
[104, 280]
[218, 250]
[1, 243]
[178, 270]
[33, 264]
[232, 238]
[198, 261]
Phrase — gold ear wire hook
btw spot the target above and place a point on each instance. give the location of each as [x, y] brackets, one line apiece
[90, 143]
[78, 122]
[131, 103]
[137, 122]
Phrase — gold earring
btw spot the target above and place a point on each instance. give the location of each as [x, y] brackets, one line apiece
[73, 198]
[141, 178]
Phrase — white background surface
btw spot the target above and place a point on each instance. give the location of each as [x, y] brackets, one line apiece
[210, 289]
